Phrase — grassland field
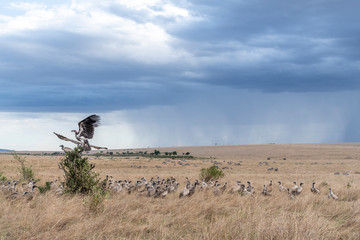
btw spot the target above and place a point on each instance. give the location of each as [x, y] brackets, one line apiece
[203, 215]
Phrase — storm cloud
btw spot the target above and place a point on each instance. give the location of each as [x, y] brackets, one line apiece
[223, 71]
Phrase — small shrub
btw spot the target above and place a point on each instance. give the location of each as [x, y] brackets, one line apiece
[26, 172]
[2, 177]
[45, 188]
[79, 177]
[96, 202]
[211, 172]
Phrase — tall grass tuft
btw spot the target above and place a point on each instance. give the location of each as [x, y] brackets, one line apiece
[26, 172]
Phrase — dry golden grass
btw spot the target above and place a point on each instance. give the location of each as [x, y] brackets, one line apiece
[202, 216]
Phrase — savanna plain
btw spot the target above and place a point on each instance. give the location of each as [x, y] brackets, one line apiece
[202, 215]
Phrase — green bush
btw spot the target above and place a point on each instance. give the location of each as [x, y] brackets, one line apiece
[97, 196]
[79, 177]
[211, 173]
[2, 177]
[45, 188]
[26, 172]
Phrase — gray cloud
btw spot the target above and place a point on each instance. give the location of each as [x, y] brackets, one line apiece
[232, 72]
[225, 117]
[266, 46]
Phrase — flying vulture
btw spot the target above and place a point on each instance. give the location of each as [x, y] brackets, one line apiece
[85, 132]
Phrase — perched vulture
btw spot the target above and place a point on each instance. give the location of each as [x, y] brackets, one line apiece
[65, 149]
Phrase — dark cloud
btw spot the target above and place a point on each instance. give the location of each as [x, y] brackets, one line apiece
[265, 46]
[240, 20]
[318, 40]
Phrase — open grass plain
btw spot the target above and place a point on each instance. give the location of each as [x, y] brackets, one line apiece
[203, 215]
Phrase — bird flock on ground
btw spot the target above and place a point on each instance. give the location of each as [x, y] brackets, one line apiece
[160, 188]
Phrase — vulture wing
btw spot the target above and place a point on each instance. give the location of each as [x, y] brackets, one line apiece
[86, 126]
[98, 147]
[74, 141]
[66, 139]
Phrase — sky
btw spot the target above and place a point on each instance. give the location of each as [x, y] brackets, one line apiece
[179, 73]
